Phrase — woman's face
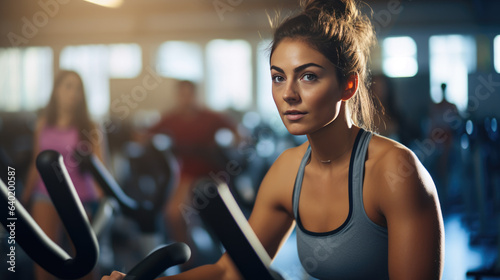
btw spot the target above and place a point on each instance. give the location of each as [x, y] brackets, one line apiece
[68, 91]
[305, 87]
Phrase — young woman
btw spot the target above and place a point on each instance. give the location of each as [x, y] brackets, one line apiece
[62, 126]
[364, 206]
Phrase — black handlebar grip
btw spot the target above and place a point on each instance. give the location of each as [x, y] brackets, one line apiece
[70, 209]
[159, 260]
[32, 238]
[109, 184]
[223, 214]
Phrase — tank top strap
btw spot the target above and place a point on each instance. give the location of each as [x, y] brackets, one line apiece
[298, 181]
[357, 170]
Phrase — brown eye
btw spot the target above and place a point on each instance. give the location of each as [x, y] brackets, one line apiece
[309, 77]
[277, 79]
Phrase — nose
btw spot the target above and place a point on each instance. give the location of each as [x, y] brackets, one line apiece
[291, 93]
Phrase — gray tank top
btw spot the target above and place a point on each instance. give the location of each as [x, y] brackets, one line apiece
[358, 249]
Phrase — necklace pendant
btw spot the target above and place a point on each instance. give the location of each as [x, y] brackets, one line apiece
[325, 161]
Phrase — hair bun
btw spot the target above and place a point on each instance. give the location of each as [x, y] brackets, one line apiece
[335, 8]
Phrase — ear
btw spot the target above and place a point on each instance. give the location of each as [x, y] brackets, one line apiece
[351, 86]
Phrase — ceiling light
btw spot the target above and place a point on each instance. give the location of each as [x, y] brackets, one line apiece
[107, 3]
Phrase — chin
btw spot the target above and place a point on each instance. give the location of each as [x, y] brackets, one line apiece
[303, 129]
[297, 133]
[296, 129]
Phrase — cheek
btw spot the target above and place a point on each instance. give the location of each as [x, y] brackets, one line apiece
[324, 99]
[276, 97]
[69, 97]
[61, 95]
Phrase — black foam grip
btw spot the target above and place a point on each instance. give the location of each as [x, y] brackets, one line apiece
[65, 199]
[216, 213]
[159, 260]
[143, 212]
[109, 185]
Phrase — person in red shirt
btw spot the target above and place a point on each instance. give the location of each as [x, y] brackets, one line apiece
[192, 127]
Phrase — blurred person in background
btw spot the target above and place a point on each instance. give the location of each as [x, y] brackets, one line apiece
[444, 121]
[192, 128]
[64, 126]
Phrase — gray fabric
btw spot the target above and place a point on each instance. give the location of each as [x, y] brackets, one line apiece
[358, 249]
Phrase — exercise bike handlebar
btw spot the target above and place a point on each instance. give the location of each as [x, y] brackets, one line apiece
[159, 260]
[222, 213]
[39, 247]
[65, 199]
[110, 186]
[134, 208]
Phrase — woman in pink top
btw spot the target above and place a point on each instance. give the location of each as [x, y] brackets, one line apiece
[63, 127]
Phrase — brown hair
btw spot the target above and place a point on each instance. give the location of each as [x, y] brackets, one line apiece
[338, 30]
[81, 118]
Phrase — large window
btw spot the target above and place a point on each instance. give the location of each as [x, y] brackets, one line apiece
[180, 60]
[125, 61]
[452, 58]
[96, 64]
[265, 102]
[25, 77]
[229, 74]
[496, 53]
[91, 62]
[399, 56]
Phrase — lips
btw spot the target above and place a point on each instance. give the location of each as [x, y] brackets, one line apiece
[294, 115]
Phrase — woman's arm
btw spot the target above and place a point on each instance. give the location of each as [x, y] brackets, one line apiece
[100, 149]
[410, 204]
[32, 176]
[272, 217]
[270, 221]
[223, 269]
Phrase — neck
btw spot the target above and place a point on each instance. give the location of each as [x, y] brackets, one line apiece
[189, 111]
[64, 118]
[333, 143]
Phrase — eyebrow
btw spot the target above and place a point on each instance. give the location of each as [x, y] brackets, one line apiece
[298, 68]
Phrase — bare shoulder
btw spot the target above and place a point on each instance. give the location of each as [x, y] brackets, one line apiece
[287, 164]
[387, 153]
[279, 180]
[40, 123]
[408, 201]
[291, 157]
[398, 172]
